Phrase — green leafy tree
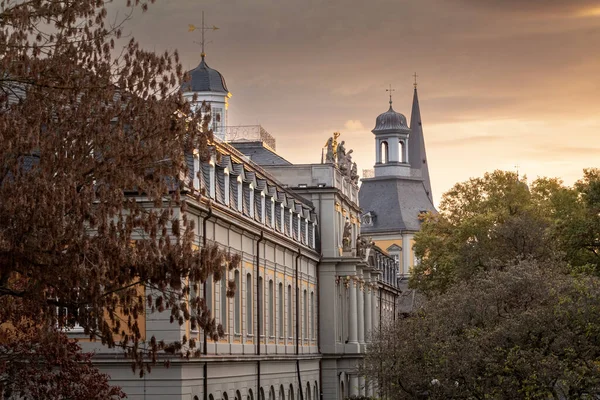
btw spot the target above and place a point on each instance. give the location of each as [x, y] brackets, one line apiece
[527, 331]
[497, 219]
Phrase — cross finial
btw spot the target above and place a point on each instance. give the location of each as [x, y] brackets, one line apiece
[517, 169]
[415, 76]
[203, 29]
[390, 90]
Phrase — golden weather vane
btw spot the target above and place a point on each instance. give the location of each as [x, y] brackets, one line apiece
[203, 28]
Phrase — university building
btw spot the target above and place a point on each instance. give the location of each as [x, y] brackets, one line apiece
[314, 281]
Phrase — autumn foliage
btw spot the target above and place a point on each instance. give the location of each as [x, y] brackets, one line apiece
[93, 188]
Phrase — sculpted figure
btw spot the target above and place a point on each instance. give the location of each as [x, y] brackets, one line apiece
[329, 157]
[341, 152]
[354, 173]
[347, 236]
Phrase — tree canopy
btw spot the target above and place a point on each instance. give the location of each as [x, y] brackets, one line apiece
[510, 273]
[498, 219]
[92, 217]
[528, 331]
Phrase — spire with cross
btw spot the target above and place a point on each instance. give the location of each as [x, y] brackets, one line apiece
[415, 76]
[203, 28]
[390, 90]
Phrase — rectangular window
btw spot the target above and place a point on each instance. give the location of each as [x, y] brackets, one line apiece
[305, 327]
[249, 305]
[280, 300]
[289, 312]
[237, 315]
[262, 307]
[312, 315]
[224, 302]
[271, 310]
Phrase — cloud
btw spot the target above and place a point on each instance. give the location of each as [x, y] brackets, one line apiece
[354, 125]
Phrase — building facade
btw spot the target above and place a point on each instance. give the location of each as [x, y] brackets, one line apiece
[314, 281]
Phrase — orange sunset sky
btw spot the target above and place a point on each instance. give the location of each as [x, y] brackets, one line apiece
[501, 82]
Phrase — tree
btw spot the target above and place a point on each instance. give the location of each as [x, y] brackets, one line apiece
[497, 219]
[92, 201]
[528, 331]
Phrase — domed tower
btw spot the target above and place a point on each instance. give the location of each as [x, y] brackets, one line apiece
[394, 199]
[209, 86]
[391, 144]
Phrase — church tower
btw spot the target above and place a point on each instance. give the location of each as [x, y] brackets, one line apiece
[400, 190]
[209, 86]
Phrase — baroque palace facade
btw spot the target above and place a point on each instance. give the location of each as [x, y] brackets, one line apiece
[310, 288]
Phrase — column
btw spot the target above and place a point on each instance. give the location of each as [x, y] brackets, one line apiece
[352, 323]
[361, 312]
[353, 389]
[374, 314]
[368, 312]
[361, 386]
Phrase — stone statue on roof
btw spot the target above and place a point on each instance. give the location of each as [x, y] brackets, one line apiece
[354, 173]
[329, 156]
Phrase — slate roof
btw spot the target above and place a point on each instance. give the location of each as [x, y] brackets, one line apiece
[259, 153]
[416, 145]
[390, 121]
[396, 202]
[205, 79]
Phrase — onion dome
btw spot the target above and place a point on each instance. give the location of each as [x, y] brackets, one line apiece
[205, 79]
[391, 122]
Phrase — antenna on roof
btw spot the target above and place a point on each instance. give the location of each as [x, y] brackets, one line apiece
[203, 29]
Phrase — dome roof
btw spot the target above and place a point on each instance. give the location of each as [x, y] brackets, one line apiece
[205, 79]
[391, 121]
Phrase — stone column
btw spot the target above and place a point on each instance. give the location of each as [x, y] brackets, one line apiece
[352, 322]
[368, 312]
[361, 386]
[361, 312]
[374, 314]
[353, 389]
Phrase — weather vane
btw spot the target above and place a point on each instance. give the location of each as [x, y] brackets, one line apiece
[390, 90]
[203, 29]
[415, 76]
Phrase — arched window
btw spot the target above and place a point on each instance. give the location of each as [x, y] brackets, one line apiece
[281, 393]
[316, 391]
[308, 392]
[238, 395]
[272, 393]
[280, 316]
[384, 153]
[271, 310]
[261, 394]
[249, 303]
[289, 312]
[291, 395]
[224, 302]
[211, 397]
[401, 156]
[225, 396]
[250, 394]
[236, 307]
